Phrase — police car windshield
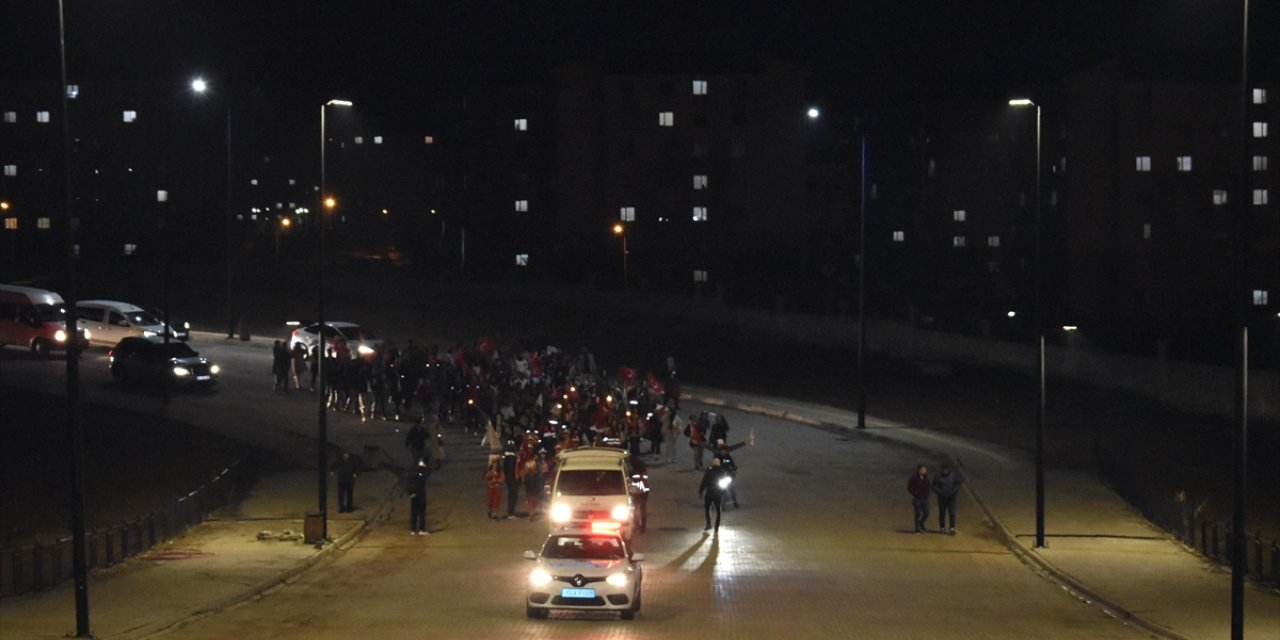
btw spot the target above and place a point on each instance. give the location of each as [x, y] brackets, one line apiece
[588, 482]
[584, 547]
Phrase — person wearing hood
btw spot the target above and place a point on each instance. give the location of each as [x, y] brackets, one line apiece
[947, 486]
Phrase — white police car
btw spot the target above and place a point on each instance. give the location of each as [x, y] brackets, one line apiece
[584, 571]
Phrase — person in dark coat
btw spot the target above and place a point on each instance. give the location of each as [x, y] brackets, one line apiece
[345, 471]
[946, 487]
[280, 363]
[416, 441]
[918, 487]
[418, 500]
[509, 468]
[714, 484]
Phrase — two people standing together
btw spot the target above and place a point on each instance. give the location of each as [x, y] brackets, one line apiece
[946, 486]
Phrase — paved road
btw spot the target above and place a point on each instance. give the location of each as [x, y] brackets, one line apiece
[821, 547]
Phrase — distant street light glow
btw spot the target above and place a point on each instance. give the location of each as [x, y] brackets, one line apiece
[338, 103]
[813, 113]
[1012, 314]
[1070, 327]
[199, 85]
[1020, 102]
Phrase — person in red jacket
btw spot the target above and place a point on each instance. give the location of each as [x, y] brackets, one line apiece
[494, 478]
[918, 487]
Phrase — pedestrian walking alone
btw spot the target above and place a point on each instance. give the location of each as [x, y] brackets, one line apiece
[947, 486]
[345, 471]
[918, 487]
[418, 500]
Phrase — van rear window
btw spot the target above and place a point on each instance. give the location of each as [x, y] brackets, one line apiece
[590, 482]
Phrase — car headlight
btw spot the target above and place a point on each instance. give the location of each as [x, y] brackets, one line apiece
[186, 325]
[364, 350]
[621, 512]
[560, 512]
[617, 579]
[60, 336]
[214, 369]
[149, 334]
[181, 371]
[539, 578]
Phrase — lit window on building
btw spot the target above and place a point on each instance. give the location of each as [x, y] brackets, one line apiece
[1219, 197]
[522, 205]
[129, 115]
[1259, 96]
[292, 182]
[699, 214]
[42, 116]
[130, 248]
[10, 170]
[993, 241]
[522, 124]
[1184, 163]
[957, 241]
[899, 236]
[377, 139]
[1260, 197]
[359, 139]
[1144, 163]
[73, 91]
[1260, 297]
[42, 223]
[10, 117]
[699, 183]
[699, 275]
[1259, 129]
[522, 259]
[1146, 231]
[253, 181]
[627, 214]
[10, 224]
[1260, 163]
[428, 139]
[667, 119]
[958, 215]
[699, 87]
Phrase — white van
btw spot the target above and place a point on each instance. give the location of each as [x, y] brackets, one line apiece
[111, 321]
[592, 491]
[32, 318]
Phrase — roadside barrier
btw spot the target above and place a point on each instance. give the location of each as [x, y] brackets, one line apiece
[42, 564]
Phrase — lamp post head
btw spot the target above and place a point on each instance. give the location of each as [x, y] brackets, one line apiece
[338, 103]
[813, 113]
[330, 202]
[199, 85]
[618, 229]
[1022, 102]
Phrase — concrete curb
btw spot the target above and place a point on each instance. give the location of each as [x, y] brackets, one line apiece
[1027, 555]
[257, 590]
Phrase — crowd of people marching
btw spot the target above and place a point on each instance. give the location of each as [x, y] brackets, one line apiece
[526, 403]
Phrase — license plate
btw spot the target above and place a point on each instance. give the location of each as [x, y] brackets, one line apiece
[577, 593]
[204, 378]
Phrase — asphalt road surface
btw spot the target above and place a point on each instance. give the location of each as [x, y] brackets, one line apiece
[820, 548]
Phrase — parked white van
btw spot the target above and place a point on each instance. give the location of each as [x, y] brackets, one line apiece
[591, 491]
[32, 318]
[111, 321]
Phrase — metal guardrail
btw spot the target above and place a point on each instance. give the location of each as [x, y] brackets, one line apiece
[1179, 516]
[40, 565]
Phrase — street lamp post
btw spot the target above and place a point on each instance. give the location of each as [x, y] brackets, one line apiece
[620, 230]
[75, 427]
[1239, 563]
[327, 203]
[862, 283]
[1039, 326]
[201, 86]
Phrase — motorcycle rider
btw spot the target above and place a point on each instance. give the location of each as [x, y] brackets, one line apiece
[715, 482]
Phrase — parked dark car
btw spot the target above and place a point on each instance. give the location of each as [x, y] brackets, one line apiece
[140, 360]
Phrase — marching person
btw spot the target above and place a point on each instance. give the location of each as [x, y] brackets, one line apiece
[714, 483]
[693, 431]
[946, 486]
[918, 487]
[345, 472]
[493, 481]
[418, 500]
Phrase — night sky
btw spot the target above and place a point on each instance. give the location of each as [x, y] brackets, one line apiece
[399, 51]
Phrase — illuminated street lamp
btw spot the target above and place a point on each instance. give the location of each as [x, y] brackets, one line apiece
[328, 203]
[201, 87]
[813, 113]
[620, 230]
[1039, 326]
